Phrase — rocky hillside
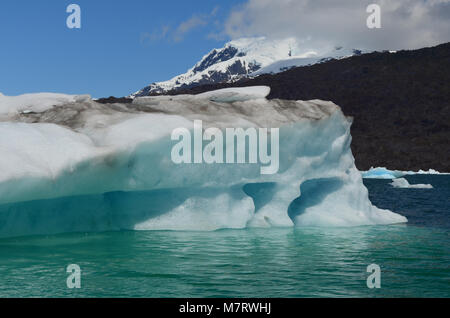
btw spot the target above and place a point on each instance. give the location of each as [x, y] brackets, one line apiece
[243, 58]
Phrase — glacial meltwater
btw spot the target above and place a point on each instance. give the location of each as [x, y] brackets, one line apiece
[292, 262]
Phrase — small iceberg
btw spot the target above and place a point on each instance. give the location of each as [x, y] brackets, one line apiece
[236, 94]
[404, 184]
[384, 173]
[430, 171]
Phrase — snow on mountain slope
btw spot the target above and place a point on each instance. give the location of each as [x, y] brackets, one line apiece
[283, 65]
[241, 58]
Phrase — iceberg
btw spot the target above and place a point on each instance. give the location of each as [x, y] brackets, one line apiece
[429, 171]
[77, 165]
[404, 184]
[384, 173]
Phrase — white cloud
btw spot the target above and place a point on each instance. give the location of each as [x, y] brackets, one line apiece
[406, 24]
[178, 33]
[155, 35]
[188, 25]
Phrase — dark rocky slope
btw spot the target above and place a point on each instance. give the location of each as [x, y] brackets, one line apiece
[400, 103]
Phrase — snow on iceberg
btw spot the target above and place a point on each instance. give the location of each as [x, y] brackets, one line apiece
[85, 166]
[236, 94]
[403, 183]
[35, 102]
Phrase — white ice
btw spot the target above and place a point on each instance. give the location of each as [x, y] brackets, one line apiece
[403, 183]
[384, 173]
[236, 94]
[36, 102]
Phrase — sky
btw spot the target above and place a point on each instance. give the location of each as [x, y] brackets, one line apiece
[123, 46]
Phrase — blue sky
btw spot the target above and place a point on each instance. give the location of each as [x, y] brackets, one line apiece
[124, 45]
[121, 47]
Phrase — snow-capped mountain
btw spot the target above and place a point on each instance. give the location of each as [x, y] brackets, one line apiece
[243, 58]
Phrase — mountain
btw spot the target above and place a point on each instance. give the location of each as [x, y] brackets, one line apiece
[246, 57]
[400, 103]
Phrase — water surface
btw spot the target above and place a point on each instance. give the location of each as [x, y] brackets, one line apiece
[301, 262]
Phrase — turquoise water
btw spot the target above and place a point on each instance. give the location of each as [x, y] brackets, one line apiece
[302, 262]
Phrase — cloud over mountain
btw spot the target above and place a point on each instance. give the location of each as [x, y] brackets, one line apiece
[405, 23]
